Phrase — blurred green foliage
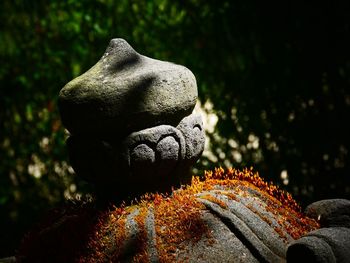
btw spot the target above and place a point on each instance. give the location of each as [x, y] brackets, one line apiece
[277, 74]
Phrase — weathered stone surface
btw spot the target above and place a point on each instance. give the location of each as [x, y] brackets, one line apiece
[255, 240]
[221, 247]
[163, 140]
[193, 132]
[131, 124]
[220, 220]
[310, 249]
[132, 133]
[249, 224]
[153, 159]
[330, 243]
[330, 212]
[126, 92]
[209, 221]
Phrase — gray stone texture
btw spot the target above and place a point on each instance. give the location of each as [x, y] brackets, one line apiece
[125, 92]
[330, 212]
[131, 125]
[310, 249]
[153, 159]
[151, 236]
[192, 129]
[331, 243]
[244, 218]
[255, 239]
[226, 248]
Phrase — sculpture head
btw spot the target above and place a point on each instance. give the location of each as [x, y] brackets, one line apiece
[126, 92]
[130, 121]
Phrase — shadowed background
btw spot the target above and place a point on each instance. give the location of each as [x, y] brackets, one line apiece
[273, 80]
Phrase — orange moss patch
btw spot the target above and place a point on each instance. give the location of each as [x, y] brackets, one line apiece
[177, 220]
[230, 195]
[107, 239]
[278, 202]
[142, 255]
[214, 200]
[178, 217]
[222, 177]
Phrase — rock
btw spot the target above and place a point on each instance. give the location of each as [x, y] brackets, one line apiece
[126, 92]
[218, 220]
[132, 132]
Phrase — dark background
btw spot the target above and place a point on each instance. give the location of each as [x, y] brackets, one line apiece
[278, 76]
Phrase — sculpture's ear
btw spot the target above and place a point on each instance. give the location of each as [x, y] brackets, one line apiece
[330, 243]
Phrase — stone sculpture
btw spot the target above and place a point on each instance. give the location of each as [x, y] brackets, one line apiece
[132, 131]
[131, 123]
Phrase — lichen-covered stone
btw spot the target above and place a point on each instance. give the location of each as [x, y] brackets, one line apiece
[125, 92]
[230, 216]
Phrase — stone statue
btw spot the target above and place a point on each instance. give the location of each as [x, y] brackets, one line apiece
[131, 123]
[132, 132]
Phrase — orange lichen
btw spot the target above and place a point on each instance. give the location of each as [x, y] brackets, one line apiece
[178, 217]
[278, 202]
[177, 220]
[107, 238]
[247, 175]
[142, 255]
[230, 195]
[214, 200]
